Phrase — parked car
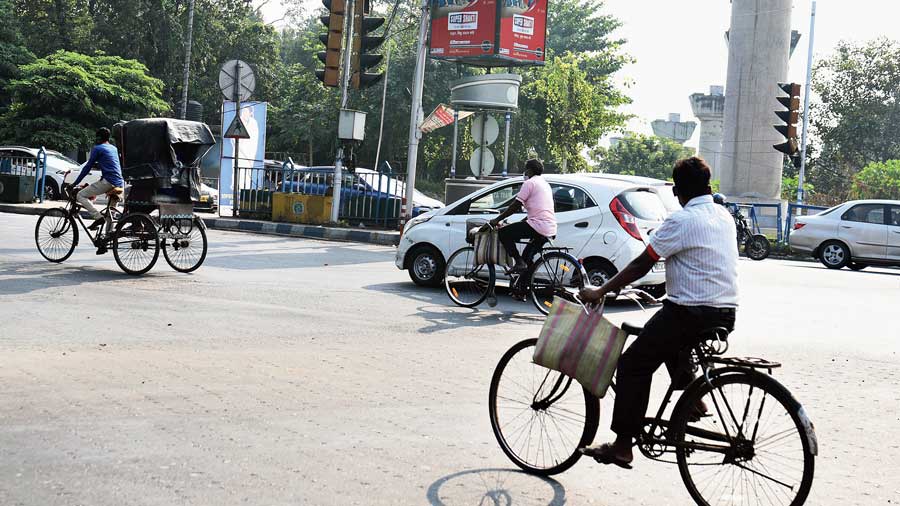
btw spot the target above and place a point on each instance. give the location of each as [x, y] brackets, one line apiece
[209, 199]
[21, 159]
[855, 234]
[664, 187]
[605, 222]
[360, 183]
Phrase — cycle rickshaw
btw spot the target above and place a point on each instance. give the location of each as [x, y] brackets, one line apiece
[160, 160]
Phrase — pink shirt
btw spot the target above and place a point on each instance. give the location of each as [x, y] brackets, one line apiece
[537, 197]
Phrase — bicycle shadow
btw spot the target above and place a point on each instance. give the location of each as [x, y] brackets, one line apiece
[495, 487]
[18, 278]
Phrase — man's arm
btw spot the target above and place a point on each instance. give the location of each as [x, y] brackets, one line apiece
[515, 207]
[86, 168]
[638, 268]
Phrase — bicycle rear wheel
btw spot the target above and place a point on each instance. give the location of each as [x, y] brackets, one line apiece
[557, 274]
[136, 244]
[539, 416]
[468, 284]
[184, 245]
[55, 235]
[753, 449]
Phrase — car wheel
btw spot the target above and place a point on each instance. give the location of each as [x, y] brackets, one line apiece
[426, 266]
[51, 192]
[598, 272]
[856, 266]
[834, 255]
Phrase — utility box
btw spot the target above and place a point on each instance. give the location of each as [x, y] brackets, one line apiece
[351, 125]
[300, 208]
[16, 189]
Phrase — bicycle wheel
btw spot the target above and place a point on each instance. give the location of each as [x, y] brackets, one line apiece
[467, 284]
[753, 448]
[184, 244]
[557, 274]
[136, 244]
[55, 235]
[540, 417]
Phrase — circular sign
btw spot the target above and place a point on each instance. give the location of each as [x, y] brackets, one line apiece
[298, 208]
[237, 73]
[491, 130]
[475, 163]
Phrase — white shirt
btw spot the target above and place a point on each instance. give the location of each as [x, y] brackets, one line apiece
[699, 244]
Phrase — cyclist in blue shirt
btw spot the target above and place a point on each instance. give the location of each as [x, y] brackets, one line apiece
[105, 156]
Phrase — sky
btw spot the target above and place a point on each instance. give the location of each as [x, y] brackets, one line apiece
[679, 45]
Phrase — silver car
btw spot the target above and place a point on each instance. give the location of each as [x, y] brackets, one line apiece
[855, 234]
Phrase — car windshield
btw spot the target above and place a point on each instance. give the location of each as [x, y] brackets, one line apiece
[668, 198]
[62, 157]
[644, 204]
[829, 211]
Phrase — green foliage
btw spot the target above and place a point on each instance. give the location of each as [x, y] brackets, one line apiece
[13, 53]
[878, 180]
[642, 155]
[857, 115]
[60, 100]
[789, 189]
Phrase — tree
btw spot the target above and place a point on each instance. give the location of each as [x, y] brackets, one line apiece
[60, 100]
[789, 189]
[878, 180]
[642, 155]
[13, 53]
[856, 117]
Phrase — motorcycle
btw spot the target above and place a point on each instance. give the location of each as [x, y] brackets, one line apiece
[756, 246]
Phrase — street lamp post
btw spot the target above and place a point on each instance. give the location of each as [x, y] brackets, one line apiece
[187, 59]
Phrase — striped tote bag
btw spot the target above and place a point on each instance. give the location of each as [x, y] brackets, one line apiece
[489, 249]
[580, 343]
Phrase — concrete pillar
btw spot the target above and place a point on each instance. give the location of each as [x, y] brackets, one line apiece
[673, 128]
[758, 50]
[710, 110]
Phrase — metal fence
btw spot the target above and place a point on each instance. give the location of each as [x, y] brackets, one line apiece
[29, 166]
[367, 197]
[761, 218]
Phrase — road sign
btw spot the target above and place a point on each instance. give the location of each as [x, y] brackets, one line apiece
[237, 130]
[491, 130]
[475, 163]
[240, 72]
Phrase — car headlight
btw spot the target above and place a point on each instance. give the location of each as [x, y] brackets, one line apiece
[418, 220]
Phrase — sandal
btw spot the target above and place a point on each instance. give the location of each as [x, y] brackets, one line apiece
[605, 454]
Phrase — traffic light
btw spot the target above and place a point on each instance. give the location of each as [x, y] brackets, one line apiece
[790, 117]
[333, 39]
[363, 42]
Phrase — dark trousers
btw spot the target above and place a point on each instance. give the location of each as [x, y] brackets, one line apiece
[669, 331]
[521, 230]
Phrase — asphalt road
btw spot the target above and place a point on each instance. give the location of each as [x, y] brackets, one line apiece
[288, 372]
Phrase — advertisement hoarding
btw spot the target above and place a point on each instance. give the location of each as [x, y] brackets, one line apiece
[252, 150]
[523, 29]
[463, 28]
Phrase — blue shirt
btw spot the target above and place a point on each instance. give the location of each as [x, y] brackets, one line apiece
[106, 156]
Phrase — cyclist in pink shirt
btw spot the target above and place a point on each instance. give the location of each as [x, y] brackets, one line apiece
[537, 199]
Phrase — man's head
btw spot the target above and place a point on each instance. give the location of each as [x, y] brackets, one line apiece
[691, 176]
[533, 167]
[102, 136]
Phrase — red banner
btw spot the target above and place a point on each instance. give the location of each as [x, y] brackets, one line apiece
[463, 28]
[523, 29]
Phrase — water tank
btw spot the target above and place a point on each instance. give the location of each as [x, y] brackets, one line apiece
[489, 91]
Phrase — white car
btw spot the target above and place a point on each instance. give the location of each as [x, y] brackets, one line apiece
[605, 222]
[664, 187]
[855, 234]
[23, 159]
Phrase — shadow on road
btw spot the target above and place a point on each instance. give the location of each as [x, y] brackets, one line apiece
[226, 256]
[885, 271]
[25, 277]
[495, 487]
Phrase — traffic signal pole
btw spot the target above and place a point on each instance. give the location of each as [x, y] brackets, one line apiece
[345, 83]
[415, 113]
[809, 64]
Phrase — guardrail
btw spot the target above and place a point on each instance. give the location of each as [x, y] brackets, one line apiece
[804, 211]
[761, 221]
[28, 166]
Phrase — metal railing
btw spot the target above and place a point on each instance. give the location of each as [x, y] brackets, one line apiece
[760, 221]
[367, 197]
[28, 166]
[804, 210]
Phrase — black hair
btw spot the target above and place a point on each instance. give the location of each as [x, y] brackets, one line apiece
[691, 176]
[535, 166]
[102, 135]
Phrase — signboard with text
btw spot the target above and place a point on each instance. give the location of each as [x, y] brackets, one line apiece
[489, 33]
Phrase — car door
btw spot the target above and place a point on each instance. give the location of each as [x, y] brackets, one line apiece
[893, 226]
[863, 228]
[481, 207]
[577, 216]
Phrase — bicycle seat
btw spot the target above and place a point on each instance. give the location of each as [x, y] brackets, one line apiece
[632, 330]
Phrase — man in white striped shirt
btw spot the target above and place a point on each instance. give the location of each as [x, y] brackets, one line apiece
[700, 250]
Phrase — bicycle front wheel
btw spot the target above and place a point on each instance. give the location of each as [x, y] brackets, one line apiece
[184, 245]
[540, 417]
[556, 274]
[752, 449]
[55, 235]
[466, 283]
[136, 244]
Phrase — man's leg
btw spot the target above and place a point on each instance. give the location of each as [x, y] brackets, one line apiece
[511, 233]
[97, 188]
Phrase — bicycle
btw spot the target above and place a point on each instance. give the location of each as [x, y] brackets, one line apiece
[744, 449]
[555, 273]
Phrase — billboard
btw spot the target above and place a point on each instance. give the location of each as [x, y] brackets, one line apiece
[523, 29]
[489, 33]
[252, 151]
[463, 28]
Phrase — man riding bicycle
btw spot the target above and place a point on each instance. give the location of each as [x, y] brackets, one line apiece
[698, 245]
[106, 156]
[540, 223]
